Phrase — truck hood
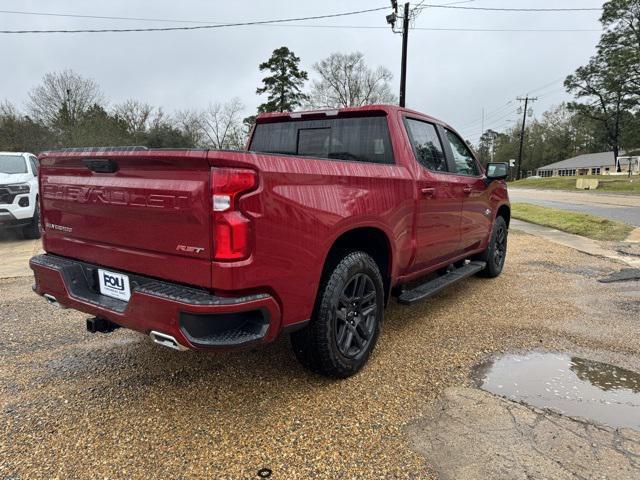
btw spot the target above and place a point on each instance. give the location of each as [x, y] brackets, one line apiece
[8, 178]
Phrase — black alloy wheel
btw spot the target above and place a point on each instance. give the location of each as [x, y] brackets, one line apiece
[496, 252]
[356, 316]
[500, 249]
[346, 319]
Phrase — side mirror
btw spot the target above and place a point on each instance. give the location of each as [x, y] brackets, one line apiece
[497, 171]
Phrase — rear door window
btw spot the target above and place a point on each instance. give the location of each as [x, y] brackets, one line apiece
[464, 161]
[426, 144]
[360, 139]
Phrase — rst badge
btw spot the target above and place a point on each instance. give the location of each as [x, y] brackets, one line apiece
[189, 249]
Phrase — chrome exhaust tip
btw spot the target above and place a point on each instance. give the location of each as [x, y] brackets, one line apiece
[166, 340]
[53, 301]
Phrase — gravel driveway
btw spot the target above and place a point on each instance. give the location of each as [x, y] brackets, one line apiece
[77, 405]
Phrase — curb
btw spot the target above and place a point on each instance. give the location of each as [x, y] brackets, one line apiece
[582, 244]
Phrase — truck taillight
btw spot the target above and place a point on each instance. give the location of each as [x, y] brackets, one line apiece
[231, 229]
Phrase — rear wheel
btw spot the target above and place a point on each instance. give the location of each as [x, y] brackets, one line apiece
[496, 252]
[32, 231]
[346, 320]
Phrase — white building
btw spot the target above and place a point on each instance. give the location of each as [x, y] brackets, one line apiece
[592, 164]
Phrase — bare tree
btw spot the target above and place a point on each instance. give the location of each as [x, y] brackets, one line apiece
[65, 89]
[222, 125]
[190, 122]
[345, 80]
[7, 109]
[138, 116]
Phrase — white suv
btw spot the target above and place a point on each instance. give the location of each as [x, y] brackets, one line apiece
[19, 193]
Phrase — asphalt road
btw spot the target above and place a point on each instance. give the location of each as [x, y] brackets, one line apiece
[80, 405]
[624, 208]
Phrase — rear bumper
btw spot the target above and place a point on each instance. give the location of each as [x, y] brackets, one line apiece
[194, 317]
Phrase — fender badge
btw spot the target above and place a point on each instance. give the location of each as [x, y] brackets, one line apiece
[188, 249]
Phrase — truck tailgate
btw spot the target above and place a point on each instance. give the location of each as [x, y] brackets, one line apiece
[146, 212]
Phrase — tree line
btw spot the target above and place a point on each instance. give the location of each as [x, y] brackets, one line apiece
[69, 110]
[605, 115]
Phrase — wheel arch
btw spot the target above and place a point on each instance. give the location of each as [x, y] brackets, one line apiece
[370, 240]
[504, 211]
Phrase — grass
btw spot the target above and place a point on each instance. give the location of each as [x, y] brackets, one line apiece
[608, 183]
[591, 226]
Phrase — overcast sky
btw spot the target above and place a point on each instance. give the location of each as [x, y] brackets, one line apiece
[452, 75]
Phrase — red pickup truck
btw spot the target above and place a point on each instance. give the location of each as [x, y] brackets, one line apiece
[310, 231]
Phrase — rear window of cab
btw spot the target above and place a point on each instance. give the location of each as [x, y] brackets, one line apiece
[360, 139]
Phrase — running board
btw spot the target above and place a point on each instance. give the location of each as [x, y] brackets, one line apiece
[430, 288]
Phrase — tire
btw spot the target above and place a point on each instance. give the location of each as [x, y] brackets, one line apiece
[346, 320]
[496, 252]
[32, 231]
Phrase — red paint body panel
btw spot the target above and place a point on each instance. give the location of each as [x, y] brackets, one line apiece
[137, 218]
[132, 219]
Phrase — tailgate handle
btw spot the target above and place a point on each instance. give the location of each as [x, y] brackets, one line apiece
[100, 165]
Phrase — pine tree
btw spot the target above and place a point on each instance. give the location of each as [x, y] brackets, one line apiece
[284, 84]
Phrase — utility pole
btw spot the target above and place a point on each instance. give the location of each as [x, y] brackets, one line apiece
[403, 67]
[526, 101]
[391, 20]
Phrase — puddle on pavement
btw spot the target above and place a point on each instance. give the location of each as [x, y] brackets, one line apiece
[573, 386]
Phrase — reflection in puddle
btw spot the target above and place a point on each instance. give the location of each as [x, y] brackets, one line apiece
[573, 386]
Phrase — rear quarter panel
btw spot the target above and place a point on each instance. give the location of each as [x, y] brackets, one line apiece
[300, 208]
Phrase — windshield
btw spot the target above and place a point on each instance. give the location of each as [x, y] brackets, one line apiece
[12, 164]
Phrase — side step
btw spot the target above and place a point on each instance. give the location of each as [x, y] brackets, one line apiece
[430, 288]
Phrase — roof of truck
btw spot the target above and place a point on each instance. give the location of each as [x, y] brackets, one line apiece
[386, 108]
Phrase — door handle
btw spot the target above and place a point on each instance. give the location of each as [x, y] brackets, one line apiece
[467, 189]
[428, 191]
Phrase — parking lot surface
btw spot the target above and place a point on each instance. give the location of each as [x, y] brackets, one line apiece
[620, 207]
[78, 405]
[15, 253]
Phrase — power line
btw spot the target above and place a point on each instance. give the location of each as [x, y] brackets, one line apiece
[493, 122]
[346, 27]
[499, 110]
[279, 23]
[552, 93]
[487, 116]
[101, 17]
[166, 20]
[197, 27]
[434, 29]
[490, 9]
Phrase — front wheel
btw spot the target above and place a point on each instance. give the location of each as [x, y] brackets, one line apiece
[32, 231]
[346, 320]
[496, 252]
